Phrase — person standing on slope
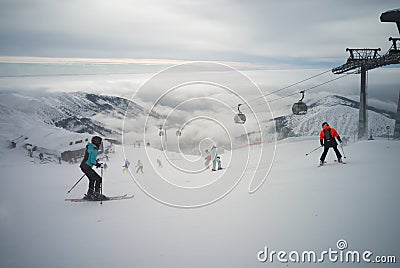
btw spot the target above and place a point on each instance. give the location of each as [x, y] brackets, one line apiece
[139, 166]
[215, 158]
[90, 160]
[327, 139]
[126, 166]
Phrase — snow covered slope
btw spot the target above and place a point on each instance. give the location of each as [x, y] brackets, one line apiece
[299, 208]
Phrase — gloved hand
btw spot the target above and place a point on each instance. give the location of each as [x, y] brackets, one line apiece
[322, 142]
[99, 165]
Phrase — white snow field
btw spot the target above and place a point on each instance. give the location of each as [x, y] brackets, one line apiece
[300, 208]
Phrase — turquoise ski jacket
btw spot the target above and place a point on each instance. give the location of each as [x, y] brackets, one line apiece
[92, 154]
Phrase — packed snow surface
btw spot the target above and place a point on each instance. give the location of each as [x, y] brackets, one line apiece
[299, 207]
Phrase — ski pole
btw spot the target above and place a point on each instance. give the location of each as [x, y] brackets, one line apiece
[314, 150]
[341, 146]
[101, 187]
[76, 184]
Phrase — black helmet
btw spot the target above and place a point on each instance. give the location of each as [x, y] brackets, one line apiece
[325, 124]
[96, 140]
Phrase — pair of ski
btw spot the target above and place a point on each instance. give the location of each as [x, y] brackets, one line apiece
[335, 161]
[111, 198]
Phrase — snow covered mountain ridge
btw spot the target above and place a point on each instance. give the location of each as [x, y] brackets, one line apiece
[76, 112]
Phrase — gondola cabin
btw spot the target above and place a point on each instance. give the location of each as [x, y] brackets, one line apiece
[300, 108]
[239, 118]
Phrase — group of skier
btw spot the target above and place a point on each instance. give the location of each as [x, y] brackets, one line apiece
[212, 156]
[327, 137]
[139, 165]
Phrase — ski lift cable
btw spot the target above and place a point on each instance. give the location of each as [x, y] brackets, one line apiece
[297, 92]
[292, 94]
[270, 93]
[286, 96]
[321, 84]
[294, 84]
[289, 86]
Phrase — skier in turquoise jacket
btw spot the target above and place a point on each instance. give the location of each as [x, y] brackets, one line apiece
[90, 160]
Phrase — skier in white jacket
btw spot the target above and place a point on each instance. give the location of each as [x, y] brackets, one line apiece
[215, 158]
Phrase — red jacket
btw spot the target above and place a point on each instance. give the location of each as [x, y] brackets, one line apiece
[334, 133]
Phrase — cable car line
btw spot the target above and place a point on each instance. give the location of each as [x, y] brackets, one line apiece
[286, 87]
[299, 107]
[311, 87]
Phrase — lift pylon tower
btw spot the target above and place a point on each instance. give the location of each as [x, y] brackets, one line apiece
[360, 61]
[365, 59]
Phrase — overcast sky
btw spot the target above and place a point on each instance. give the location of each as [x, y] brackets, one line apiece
[285, 33]
[297, 39]
[276, 43]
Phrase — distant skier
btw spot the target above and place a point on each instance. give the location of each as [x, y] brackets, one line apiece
[215, 158]
[327, 139]
[139, 166]
[208, 159]
[125, 167]
[90, 160]
[159, 163]
[41, 157]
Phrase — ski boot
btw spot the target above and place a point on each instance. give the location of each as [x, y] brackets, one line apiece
[321, 163]
[89, 195]
[99, 197]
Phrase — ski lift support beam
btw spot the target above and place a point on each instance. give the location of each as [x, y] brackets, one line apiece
[365, 59]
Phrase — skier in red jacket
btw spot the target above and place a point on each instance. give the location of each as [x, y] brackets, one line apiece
[327, 139]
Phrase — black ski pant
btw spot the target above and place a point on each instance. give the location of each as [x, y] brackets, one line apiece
[140, 168]
[326, 149]
[94, 178]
